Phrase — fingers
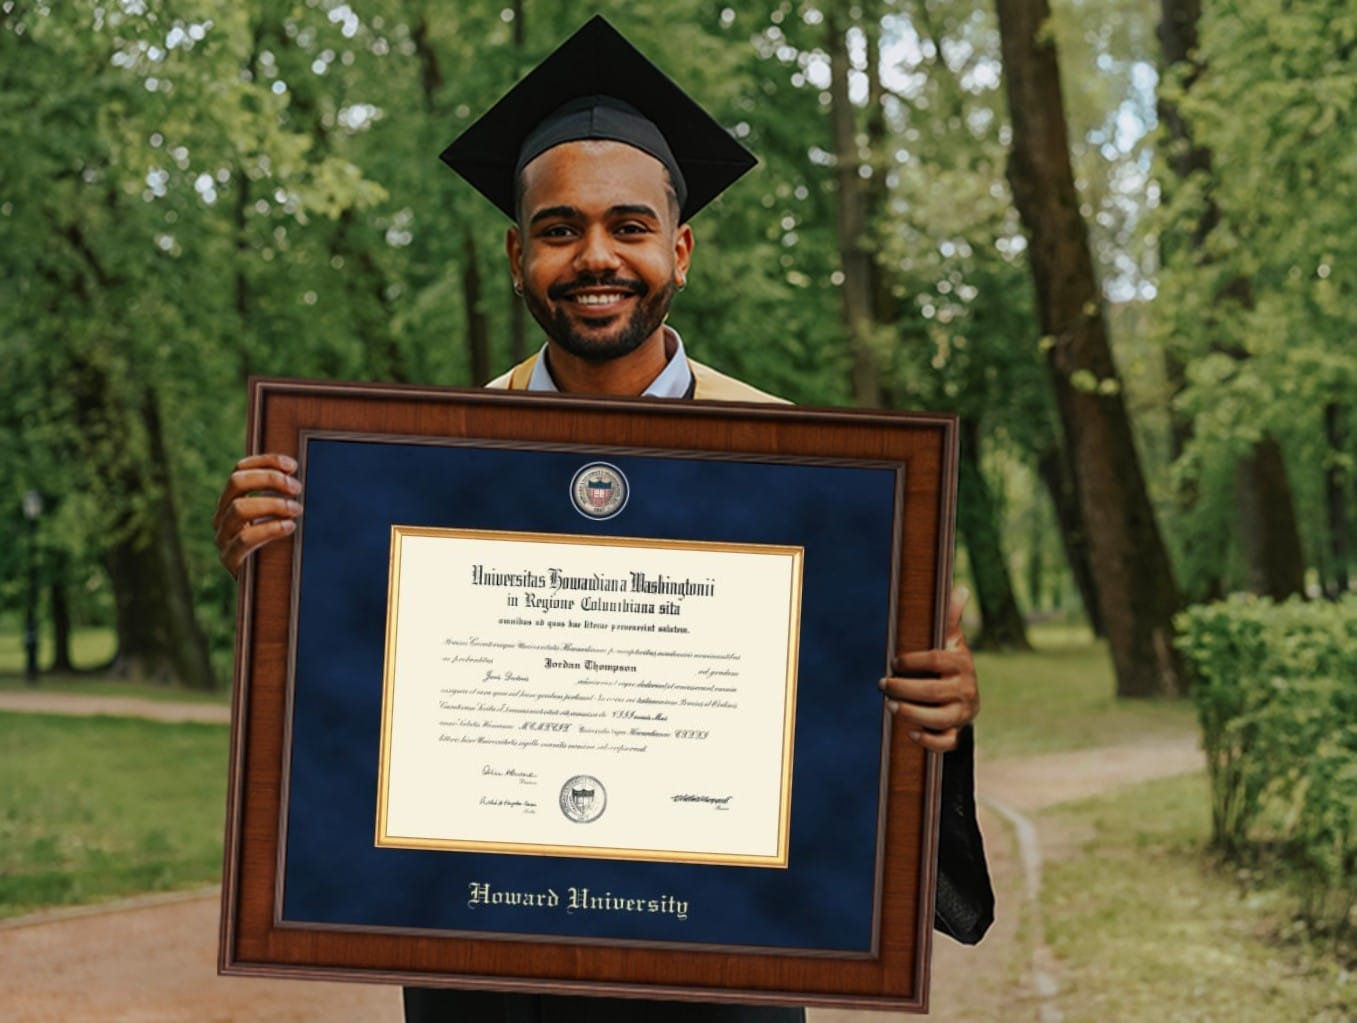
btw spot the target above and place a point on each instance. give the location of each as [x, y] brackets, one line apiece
[934, 719]
[251, 538]
[932, 691]
[245, 511]
[257, 505]
[259, 473]
[933, 728]
[942, 742]
[956, 606]
[931, 663]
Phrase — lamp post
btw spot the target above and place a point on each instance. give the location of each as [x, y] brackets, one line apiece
[32, 509]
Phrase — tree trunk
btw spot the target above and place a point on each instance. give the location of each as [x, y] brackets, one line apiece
[477, 325]
[158, 635]
[1063, 487]
[885, 303]
[1134, 580]
[61, 616]
[1267, 519]
[1036, 566]
[1336, 499]
[1001, 622]
[855, 256]
[518, 320]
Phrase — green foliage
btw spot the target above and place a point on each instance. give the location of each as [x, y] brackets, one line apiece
[1273, 688]
[95, 808]
[195, 192]
[1259, 308]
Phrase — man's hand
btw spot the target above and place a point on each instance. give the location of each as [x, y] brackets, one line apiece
[258, 505]
[934, 693]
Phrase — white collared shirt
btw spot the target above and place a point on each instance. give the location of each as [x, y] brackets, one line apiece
[673, 382]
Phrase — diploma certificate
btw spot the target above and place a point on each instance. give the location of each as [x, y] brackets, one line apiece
[580, 696]
[608, 697]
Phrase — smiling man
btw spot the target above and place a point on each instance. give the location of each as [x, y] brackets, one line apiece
[598, 257]
[601, 161]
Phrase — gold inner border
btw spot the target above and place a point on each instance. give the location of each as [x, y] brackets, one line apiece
[384, 839]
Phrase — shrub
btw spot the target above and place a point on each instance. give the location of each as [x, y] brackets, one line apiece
[1275, 686]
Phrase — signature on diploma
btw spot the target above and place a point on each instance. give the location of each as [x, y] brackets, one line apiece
[715, 802]
[511, 773]
[524, 805]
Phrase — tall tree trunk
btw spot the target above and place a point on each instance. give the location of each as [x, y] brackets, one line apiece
[1001, 622]
[61, 615]
[1136, 590]
[1267, 518]
[1036, 565]
[477, 324]
[158, 635]
[1063, 487]
[1336, 498]
[885, 303]
[855, 256]
[518, 320]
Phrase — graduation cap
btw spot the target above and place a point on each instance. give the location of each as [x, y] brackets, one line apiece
[596, 85]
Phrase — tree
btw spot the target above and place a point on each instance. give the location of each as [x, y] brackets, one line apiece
[1137, 594]
[1267, 516]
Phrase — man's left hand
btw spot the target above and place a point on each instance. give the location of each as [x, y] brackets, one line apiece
[934, 693]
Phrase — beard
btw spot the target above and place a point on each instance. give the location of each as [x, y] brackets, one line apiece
[601, 344]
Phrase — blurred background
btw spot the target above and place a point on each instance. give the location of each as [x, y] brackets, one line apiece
[1116, 237]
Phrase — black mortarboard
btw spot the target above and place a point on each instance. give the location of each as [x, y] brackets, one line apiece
[596, 85]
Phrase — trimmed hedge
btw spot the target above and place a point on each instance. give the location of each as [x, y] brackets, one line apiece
[1275, 686]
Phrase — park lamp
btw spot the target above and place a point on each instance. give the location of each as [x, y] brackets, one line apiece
[32, 505]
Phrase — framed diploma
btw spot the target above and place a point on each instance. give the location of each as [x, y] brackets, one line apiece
[579, 696]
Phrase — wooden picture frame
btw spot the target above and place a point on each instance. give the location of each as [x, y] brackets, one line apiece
[304, 746]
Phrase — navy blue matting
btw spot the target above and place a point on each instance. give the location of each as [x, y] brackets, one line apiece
[356, 489]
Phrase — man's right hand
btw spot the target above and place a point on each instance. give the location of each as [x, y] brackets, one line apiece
[258, 505]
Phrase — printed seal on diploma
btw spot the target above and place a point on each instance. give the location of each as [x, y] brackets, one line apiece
[583, 799]
[579, 695]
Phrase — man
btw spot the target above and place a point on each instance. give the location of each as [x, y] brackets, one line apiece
[601, 161]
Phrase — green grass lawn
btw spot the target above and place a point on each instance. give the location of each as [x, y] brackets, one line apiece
[96, 808]
[89, 648]
[1145, 928]
[1062, 696]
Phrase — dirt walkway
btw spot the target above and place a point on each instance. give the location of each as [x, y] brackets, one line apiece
[38, 701]
[154, 960]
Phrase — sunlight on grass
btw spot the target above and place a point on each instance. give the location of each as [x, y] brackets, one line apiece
[1145, 930]
[1062, 696]
[89, 647]
[96, 808]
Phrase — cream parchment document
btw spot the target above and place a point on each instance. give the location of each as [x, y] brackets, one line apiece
[584, 696]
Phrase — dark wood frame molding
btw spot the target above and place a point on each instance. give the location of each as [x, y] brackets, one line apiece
[895, 976]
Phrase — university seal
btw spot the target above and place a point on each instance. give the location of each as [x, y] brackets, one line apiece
[583, 799]
[599, 491]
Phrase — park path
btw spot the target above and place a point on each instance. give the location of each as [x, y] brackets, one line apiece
[41, 701]
[153, 960]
